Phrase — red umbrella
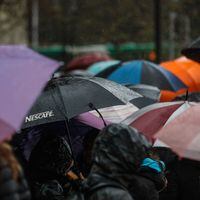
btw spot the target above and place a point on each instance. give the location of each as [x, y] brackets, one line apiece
[151, 119]
[84, 61]
[172, 124]
[182, 134]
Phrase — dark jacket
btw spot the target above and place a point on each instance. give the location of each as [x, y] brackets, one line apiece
[11, 189]
[48, 164]
[117, 155]
[183, 177]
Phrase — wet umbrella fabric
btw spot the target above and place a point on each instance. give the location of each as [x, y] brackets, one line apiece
[23, 74]
[151, 119]
[100, 66]
[148, 91]
[186, 70]
[144, 72]
[67, 97]
[113, 114]
[182, 133]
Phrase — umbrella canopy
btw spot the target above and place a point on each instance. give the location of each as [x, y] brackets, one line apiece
[151, 119]
[77, 72]
[148, 91]
[69, 96]
[23, 74]
[193, 51]
[84, 61]
[144, 72]
[182, 133]
[100, 66]
[113, 114]
[186, 70]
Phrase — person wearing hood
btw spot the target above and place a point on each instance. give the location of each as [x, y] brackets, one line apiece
[49, 163]
[121, 167]
[193, 51]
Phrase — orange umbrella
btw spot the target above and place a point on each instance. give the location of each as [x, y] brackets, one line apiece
[186, 70]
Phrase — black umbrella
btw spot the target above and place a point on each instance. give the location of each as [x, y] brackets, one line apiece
[147, 91]
[193, 51]
[67, 97]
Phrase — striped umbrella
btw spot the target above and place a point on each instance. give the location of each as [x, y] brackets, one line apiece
[149, 120]
[182, 133]
[174, 124]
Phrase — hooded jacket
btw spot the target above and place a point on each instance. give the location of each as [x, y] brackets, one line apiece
[117, 156]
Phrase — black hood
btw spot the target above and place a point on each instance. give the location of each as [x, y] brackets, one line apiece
[118, 152]
[51, 158]
[193, 51]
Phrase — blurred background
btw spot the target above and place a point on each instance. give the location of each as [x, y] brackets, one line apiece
[155, 30]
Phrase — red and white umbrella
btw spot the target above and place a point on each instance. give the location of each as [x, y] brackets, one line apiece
[173, 124]
[182, 133]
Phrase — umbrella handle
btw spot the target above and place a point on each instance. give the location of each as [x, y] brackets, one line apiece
[186, 95]
[66, 120]
[91, 105]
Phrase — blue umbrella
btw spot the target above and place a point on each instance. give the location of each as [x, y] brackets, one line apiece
[144, 72]
[100, 66]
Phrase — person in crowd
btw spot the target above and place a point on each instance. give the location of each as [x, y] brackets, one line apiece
[13, 185]
[193, 50]
[183, 176]
[49, 162]
[121, 167]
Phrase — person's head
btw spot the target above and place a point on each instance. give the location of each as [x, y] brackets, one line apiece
[154, 169]
[119, 149]
[7, 159]
[51, 158]
[193, 51]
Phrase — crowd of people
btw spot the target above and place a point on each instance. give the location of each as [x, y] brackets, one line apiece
[119, 164]
[115, 163]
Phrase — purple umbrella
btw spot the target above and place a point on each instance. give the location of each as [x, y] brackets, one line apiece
[23, 74]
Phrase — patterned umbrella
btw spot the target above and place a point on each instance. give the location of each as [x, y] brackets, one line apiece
[151, 119]
[143, 72]
[182, 133]
[69, 96]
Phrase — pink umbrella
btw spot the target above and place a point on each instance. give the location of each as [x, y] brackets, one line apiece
[182, 133]
[113, 114]
[23, 74]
